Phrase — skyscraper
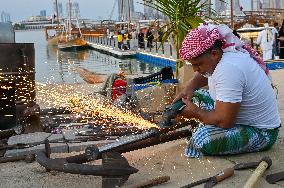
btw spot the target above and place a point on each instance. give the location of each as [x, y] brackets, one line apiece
[125, 10]
[75, 10]
[42, 13]
[60, 9]
[220, 7]
[149, 12]
[5, 17]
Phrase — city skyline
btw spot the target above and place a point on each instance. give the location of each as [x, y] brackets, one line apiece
[92, 9]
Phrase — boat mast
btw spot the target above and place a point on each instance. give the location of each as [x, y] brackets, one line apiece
[232, 15]
[209, 13]
[121, 11]
[129, 15]
[57, 15]
[69, 26]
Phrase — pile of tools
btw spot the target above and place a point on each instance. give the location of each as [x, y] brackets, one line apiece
[259, 166]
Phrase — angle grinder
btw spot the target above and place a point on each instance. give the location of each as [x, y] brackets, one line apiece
[170, 113]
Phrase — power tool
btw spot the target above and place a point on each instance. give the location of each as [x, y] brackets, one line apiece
[170, 113]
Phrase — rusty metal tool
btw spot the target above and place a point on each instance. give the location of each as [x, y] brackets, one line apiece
[93, 152]
[275, 177]
[211, 181]
[115, 169]
[250, 165]
[265, 163]
[27, 158]
[152, 182]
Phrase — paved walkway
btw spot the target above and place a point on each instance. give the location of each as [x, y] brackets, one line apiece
[163, 159]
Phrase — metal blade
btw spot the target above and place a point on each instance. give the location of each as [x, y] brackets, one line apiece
[273, 178]
[243, 166]
[211, 183]
[196, 183]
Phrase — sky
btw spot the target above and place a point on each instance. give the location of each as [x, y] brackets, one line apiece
[93, 9]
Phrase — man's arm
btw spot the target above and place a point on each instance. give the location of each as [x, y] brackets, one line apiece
[195, 83]
[223, 116]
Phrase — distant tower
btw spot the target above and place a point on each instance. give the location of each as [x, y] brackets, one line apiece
[60, 9]
[277, 3]
[237, 8]
[149, 12]
[75, 10]
[125, 10]
[5, 17]
[220, 7]
[42, 13]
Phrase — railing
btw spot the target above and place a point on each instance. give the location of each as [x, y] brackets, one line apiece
[165, 50]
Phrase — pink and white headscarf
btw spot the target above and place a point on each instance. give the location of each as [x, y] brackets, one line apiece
[202, 38]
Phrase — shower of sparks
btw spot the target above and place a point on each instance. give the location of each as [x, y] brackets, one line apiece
[78, 101]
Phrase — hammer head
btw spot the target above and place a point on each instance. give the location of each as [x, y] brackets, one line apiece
[251, 165]
[267, 160]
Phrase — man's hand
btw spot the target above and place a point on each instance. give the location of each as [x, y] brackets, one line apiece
[191, 110]
[186, 93]
[195, 83]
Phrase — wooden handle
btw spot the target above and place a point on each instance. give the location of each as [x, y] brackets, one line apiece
[152, 182]
[251, 182]
[228, 172]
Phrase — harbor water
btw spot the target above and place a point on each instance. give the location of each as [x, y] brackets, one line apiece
[55, 66]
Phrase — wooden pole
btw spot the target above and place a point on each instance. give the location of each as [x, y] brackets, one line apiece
[232, 15]
[57, 15]
[209, 2]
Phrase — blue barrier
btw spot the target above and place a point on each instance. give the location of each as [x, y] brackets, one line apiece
[137, 87]
[275, 65]
[156, 60]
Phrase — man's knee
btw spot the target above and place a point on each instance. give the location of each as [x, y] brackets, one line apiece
[200, 137]
[203, 140]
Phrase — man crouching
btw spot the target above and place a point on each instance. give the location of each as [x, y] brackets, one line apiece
[245, 116]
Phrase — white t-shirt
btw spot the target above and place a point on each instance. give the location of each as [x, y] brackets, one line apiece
[238, 78]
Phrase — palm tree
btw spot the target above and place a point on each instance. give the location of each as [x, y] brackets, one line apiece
[182, 16]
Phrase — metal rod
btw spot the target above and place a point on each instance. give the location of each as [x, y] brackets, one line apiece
[152, 182]
[232, 15]
[62, 165]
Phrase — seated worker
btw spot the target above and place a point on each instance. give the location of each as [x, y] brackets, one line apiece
[114, 86]
[119, 85]
[244, 117]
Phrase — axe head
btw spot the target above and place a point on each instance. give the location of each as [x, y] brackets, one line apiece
[113, 159]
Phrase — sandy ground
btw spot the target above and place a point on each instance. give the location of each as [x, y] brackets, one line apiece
[160, 160]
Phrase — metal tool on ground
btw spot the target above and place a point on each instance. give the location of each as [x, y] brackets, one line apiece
[211, 181]
[74, 164]
[275, 177]
[27, 158]
[170, 113]
[265, 163]
[115, 169]
[249, 165]
[152, 182]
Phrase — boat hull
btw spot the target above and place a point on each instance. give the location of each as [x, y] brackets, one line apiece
[74, 44]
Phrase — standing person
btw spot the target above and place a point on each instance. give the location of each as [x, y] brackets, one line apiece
[274, 31]
[127, 37]
[119, 40]
[266, 39]
[281, 41]
[141, 43]
[240, 115]
[150, 37]
[160, 35]
[236, 33]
